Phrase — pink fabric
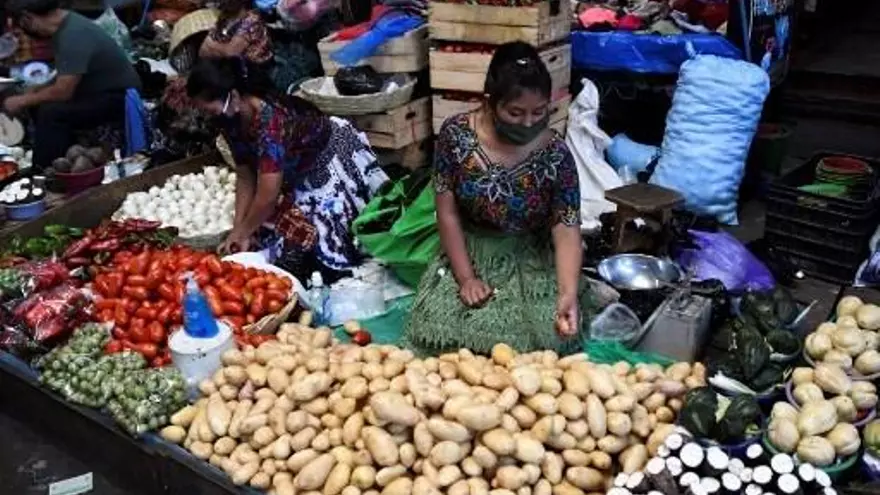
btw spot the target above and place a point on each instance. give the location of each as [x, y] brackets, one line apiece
[630, 22]
[597, 15]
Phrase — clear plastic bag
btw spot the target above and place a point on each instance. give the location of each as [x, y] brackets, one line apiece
[110, 23]
[617, 323]
[144, 400]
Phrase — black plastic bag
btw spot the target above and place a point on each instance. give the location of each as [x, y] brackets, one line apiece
[360, 80]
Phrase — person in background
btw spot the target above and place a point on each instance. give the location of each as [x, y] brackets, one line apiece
[508, 206]
[302, 177]
[240, 33]
[90, 87]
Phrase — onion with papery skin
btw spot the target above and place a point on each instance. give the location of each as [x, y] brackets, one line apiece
[868, 317]
[848, 306]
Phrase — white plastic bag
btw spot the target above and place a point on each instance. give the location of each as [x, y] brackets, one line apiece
[110, 23]
[587, 143]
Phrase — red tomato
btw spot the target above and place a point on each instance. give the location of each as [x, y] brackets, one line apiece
[136, 281]
[130, 305]
[274, 306]
[233, 308]
[164, 315]
[276, 295]
[229, 293]
[166, 291]
[362, 337]
[255, 282]
[103, 304]
[177, 316]
[118, 333]
[186, 262]
[146, 313]
[139, 264]
[148, 350]
[120, 316]
[101, 286]
[213, 264]
[258, 306]
[155, 277]
[216, 306]
[113, 347]
[250, 319]
[136, 293]
[139, 335]
[202, 277]
[212, 292]
[114, 283]
[156, 332]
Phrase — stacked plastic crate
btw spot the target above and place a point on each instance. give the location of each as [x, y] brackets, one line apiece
[464, 37]
[399, 135]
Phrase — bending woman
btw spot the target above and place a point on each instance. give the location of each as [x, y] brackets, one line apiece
[302, 176]
[508, 212]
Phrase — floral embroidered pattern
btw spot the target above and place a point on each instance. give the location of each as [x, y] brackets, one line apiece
[510, 199]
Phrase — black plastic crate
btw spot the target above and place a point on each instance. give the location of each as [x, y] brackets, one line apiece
[821, 268]
[854, 240]
[821, 250]
[784, 198]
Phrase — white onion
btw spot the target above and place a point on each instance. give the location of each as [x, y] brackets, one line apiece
[196, 204]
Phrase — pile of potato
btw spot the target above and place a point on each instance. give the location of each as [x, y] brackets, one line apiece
[852, 342]
[309, 416]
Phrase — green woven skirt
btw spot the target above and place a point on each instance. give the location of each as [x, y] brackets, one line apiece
[522, 312]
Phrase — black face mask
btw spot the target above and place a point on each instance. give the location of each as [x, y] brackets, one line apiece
[520, 134]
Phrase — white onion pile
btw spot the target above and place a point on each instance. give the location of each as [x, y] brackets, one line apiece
[196, 204]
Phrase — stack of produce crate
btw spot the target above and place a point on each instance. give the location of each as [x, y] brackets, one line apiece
[464, 37]
[824, 235]
[399, 135]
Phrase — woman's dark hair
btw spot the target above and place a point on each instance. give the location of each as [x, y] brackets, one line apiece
[17, 8]
[214, 79]
[515, 67]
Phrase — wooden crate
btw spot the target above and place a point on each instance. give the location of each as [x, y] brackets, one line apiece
[459, 71]
[398, 127]
[540, 24]
[444, 108]
[411, 156]
[407, 53]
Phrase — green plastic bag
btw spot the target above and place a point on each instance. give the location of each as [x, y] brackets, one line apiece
[399, 226]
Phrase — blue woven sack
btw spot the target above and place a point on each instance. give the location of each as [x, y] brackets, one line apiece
[714, 116]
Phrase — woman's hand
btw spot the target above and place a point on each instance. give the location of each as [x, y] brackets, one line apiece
[474, 292]
[567, 323]
[235, 243]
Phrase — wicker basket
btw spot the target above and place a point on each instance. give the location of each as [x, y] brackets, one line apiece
[360, 104]
[196, 22]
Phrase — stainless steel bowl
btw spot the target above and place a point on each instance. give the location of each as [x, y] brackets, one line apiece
[638, 272]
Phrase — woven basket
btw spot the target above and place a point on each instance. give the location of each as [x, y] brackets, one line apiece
[196, 22]
[360, 104]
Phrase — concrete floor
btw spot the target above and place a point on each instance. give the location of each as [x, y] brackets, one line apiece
[30, 460]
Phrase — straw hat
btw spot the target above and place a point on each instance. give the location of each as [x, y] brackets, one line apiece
[193, 23]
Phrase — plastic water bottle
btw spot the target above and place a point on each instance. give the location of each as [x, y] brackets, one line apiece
[318, 295]
[198, 321]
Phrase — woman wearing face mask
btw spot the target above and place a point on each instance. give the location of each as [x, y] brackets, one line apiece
[302, 176]
[508, 214]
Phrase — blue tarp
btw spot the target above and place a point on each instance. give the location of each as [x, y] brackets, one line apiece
[644, 53]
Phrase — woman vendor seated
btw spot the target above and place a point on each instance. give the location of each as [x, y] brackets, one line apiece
[240, 32]
[302, 176]
[508, 213]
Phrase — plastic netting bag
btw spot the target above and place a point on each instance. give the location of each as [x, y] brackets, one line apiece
[50, 315]
[110, 23]
[609, 352]
[145, 399]
[361, 80]
[617, 323]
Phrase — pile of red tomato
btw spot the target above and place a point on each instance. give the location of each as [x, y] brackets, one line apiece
[142, 292]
